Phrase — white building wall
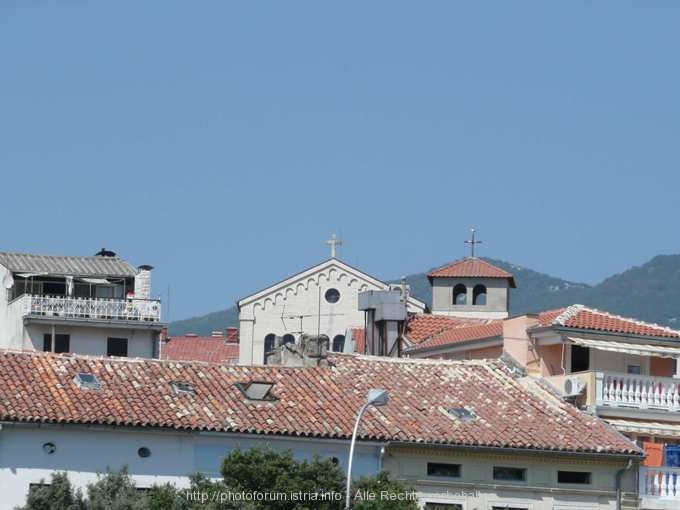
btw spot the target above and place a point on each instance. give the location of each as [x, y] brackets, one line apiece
[93, 340]
[85, 452]
[277, 310]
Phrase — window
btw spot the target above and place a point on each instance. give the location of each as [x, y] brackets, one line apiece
[442, 469]
[508, 506]
[54, 288]
[634, 369]
[288, 339]
[580, 477]
[580, 358]
[269, 342]
[443, 506]
[462, 413]
[511, 474]
[479, 295]
[117, 347]
[460, 294]
[183, 388]
[332, 295]
[103, 292]
[257, 390]
[339, 343]
[86, 381]
[62, 343]
[144, 452]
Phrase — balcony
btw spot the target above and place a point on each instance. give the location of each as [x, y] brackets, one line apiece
[637, 392]
[659, 488]
[87, 309]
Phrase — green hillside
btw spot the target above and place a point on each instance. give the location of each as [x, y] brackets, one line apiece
[649, 292]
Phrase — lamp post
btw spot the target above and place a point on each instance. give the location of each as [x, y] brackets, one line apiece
[376, 397]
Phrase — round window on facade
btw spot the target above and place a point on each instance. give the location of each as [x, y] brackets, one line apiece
[332, 295]
[144, 452]
[49, 448]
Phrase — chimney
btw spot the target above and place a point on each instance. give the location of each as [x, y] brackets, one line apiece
[143, 282]
[216, 334]
[232, 334]
[164, 334]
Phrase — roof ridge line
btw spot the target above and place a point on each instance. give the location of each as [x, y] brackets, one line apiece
[568, 313]
[639, 322]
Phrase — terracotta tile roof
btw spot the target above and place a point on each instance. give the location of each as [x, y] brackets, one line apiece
[311, 402]
[425, 325]
[471, 268]
[200, 348]
[359, 337]
[582, 317]
[463, 333]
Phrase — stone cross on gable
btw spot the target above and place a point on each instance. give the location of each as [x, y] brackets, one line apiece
[333, 242]
[472, 242]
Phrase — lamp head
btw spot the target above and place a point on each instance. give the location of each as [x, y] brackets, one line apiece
[377, 397]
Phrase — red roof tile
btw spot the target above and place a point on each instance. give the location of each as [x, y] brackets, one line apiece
[425, 325]
[582, 317]
[212, 349]
[471, 268]
[312, 402]
[464, 333]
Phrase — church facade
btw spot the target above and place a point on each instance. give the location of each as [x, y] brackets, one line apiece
[320, 300]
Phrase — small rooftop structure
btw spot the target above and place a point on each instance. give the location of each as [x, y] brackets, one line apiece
[62, 265]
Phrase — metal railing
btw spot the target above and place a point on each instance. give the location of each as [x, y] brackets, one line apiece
[660, 482]
[86, 308]
[637, 391]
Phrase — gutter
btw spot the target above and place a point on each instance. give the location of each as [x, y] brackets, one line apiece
[504, 450]
[619, 475]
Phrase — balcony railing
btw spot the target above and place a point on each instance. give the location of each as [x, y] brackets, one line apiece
[637, 391]
[662, 483]
[86, 308]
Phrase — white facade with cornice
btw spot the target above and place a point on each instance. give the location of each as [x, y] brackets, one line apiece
[320, 300]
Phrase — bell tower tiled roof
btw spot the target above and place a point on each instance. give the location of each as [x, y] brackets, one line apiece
[471, 267]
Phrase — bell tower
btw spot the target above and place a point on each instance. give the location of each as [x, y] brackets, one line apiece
[471, 288]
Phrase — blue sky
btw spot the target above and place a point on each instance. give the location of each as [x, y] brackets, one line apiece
[222, 142]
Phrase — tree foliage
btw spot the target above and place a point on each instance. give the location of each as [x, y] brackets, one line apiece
[316, 484]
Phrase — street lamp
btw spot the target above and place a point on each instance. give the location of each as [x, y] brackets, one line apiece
[376, 397]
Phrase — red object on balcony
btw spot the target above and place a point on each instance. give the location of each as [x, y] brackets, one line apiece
[653, 454]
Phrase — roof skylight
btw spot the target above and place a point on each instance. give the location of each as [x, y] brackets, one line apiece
[183, 388]
[257, 390]
[87, 381]
[462, 413]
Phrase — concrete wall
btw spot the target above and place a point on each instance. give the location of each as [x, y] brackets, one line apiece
[496, 297]
[93, 340]
[516, 341]
[85, 452]
[492, 352]
[540, 491]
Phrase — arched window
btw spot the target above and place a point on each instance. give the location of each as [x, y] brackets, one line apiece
[460, 294]
[479, 295]
[288, 339]
[269, 342]
[339, 343]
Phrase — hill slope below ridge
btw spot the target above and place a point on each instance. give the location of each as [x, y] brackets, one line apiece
[650, 292]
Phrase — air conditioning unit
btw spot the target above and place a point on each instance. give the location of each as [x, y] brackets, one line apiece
[573, 386]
